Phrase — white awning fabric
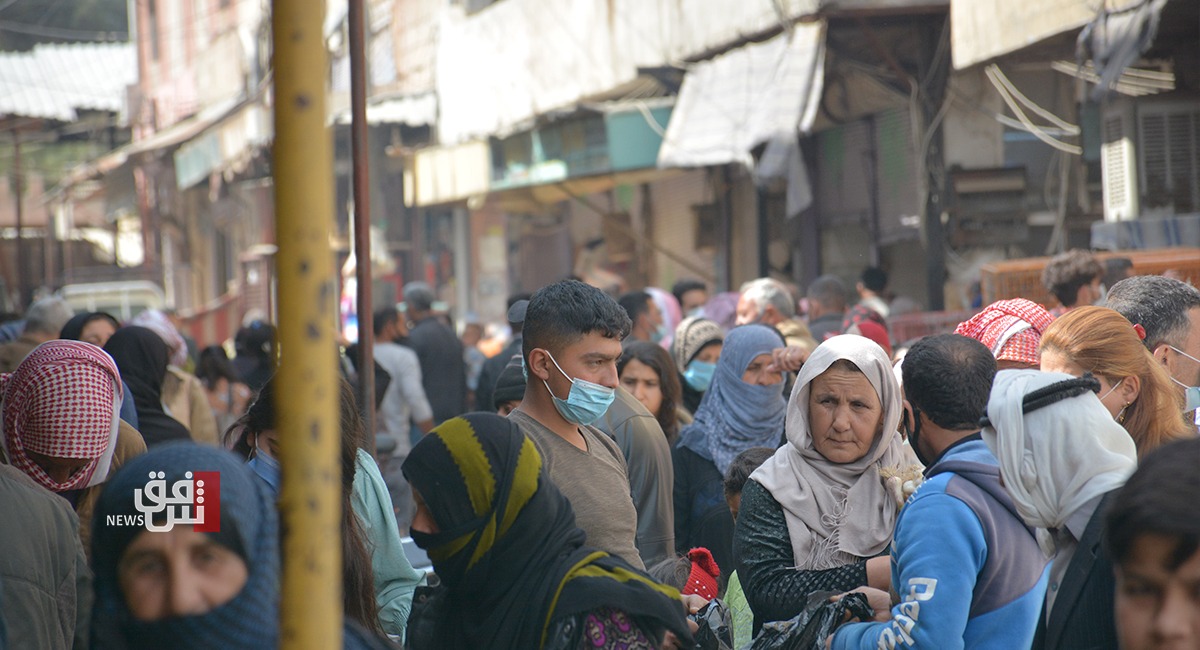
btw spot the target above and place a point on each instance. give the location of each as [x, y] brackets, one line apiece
[728, 105]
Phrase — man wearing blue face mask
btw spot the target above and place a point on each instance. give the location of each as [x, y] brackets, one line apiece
[1169, 311]
[572, 340]
[644, 315]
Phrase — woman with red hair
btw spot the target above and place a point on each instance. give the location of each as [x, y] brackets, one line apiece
[1133, 386]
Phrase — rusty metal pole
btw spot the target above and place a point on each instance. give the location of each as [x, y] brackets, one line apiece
[362, 217]
[310, 443]
[22, 294]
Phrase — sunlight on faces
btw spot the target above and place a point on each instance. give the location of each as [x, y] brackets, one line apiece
[1158, 607]
[747, 311]
[643, 383]
[844, 415]
[59, 469]
[592, 358]
[97, 332]
[757, 372]
[1054, 361]
[178, 573]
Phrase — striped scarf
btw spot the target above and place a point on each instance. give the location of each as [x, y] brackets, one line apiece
[62, 403]
[508, 552]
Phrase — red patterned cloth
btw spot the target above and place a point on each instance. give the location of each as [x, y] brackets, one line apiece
[1011, 329]
[63, 401]
[702, 581]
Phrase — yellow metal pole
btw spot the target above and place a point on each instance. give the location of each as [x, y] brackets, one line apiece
[307, 396]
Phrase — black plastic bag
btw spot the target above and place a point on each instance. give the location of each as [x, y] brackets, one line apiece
[716, 627]
[809, 629]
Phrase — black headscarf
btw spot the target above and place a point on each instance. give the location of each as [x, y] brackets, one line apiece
[248, 528]
[142, 357]
[74, 327]
[509, 554]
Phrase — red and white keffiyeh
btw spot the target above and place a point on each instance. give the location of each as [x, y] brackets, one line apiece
[63, 401]
[1011, 329]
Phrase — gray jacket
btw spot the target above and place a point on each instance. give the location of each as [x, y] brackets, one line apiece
[43, 571]
[651, 474]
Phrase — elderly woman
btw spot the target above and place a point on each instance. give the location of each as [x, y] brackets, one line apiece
[816, 516]
[514, 570]
[1134, 387]
[744, 408]
[182, 588]
[1061, 458]
[61, 425]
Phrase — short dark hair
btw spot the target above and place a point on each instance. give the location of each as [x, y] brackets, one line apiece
[1159, 499]
[658, 360]
[1065, 273]
[684, 286]
[1158, 304]
[635, 303]
[564, 312]
[1115, 269]
[874, 278]
[383, 317]
[742, 467]
[949, 378]
[829, 291]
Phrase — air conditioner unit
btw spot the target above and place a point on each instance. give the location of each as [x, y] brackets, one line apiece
[1150, 156]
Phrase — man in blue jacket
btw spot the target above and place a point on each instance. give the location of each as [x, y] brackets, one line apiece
[968, 572]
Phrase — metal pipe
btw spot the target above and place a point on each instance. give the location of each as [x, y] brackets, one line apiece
[310, 499]
[22, 295]
[362, 218]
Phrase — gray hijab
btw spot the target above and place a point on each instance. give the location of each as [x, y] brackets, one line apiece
[836, 513]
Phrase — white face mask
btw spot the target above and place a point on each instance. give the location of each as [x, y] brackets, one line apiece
[1110, 391]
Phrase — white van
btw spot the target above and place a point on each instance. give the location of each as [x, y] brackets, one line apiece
[123, 299]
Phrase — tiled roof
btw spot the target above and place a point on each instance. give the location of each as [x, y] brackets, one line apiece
[53, 81]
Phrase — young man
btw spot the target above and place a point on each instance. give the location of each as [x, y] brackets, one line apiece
[1152, 532]
[572, 340]
[1074, 279]
[968, 571]
[645, 316]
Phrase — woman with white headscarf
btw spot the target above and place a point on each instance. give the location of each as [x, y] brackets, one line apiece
[816, 516]
[1061, 457]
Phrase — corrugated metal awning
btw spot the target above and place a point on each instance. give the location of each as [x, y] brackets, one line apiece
[413, 110]
[727, 106]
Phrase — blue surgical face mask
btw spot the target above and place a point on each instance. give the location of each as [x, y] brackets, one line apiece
[699, 374]
[267, 469]
[696, 312]
[1191, 394]
[586, 403]
[659, 333]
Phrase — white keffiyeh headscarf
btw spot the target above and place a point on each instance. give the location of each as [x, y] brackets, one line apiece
[836, 513]
[1056, 458]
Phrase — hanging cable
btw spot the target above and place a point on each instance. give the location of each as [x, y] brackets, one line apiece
[993, 75]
